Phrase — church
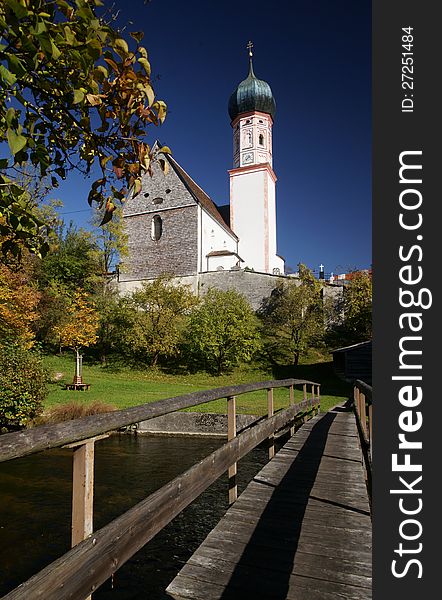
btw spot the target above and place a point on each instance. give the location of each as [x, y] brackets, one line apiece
[173, 226]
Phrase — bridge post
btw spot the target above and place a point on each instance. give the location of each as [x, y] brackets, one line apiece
[318, 398]
[363, 413]
[231, 433]
[270, 414]
[370, 424]
[83, 488]
[291, 402]
[82, 491]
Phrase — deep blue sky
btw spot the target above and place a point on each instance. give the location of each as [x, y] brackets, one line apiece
[316, 57]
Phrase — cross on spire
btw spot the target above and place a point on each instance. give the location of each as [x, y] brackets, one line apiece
[249, 47]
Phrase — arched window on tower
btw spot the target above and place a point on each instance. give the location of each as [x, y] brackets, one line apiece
[156, 228]
[261, 139]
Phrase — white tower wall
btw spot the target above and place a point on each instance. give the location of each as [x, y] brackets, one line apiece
[253, 193]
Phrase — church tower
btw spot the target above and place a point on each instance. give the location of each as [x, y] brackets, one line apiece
[252, 180]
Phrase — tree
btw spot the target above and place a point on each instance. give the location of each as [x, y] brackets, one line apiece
[152, 318]
[357, 307]
[72, 93]
[53, 311]
[22, 386]
[73, 261]
[112, 242]
[18, 305]
[222, 331]
[80, 328]
[349, 315]
[292, 316]
[114, 319]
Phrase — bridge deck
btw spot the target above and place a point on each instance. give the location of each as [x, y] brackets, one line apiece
[301, 530]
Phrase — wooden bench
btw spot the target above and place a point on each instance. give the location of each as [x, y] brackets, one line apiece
[77, 386]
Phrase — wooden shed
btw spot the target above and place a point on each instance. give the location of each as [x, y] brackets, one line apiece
[353, 362]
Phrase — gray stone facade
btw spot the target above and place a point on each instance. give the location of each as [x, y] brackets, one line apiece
[175, 251]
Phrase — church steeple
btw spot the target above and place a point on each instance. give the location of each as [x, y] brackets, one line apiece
[251, 109]
[252, 180]
[252, 94]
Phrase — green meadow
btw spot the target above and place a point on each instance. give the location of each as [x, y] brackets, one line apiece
[123, 386]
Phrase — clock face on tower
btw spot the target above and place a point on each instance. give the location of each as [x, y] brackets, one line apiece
[247, 158]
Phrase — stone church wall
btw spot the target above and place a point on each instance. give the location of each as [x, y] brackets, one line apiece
[175, 248]
[254, 286]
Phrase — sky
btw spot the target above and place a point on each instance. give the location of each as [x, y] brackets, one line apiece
[316, 56]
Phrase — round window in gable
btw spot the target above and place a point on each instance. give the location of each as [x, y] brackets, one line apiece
[157, 200]
[156, 229]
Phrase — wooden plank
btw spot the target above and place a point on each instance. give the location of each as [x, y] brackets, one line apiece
[84, 568]
[23, 443]
[305, 565]
[248, 582]
[301, 529]
[314, 547]
[201, 590]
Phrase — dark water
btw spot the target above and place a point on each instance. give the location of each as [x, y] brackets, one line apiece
[35, 505]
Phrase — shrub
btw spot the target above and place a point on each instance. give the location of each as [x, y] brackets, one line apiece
[222, 331]
[22, 386]
[75, 410]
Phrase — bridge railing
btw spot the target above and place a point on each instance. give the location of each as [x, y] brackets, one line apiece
[96, 556]
[363, 407]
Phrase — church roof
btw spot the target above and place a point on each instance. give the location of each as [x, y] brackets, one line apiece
[251, 95]
[199, 194]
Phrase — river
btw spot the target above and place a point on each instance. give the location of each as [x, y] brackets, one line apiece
[35, 505]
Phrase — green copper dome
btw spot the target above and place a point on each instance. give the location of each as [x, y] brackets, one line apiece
[250, 95]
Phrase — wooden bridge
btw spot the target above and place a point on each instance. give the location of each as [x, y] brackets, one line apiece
[301, 529]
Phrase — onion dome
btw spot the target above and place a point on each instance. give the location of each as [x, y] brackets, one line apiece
[250, 95]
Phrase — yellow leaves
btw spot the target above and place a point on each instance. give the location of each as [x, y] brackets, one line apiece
[18, 304]
[95, 99]
[146, 65]
[161, 109]
[121, 47]
[81, 326]
[78, 96]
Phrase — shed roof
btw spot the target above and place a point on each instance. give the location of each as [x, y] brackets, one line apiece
[352, 347]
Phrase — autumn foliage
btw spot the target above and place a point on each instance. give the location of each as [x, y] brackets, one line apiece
[81, 325]
[18, 306]
[73, 93]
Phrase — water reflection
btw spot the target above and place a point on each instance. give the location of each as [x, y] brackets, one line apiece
[35, 505]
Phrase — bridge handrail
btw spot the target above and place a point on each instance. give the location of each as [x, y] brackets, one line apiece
[363, 408]
[90, 562]
[45, 437]
[366, 389]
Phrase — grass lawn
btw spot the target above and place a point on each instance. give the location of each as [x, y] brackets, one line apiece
[124, 387]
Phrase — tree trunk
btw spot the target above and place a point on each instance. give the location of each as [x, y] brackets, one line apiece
[296, 358]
